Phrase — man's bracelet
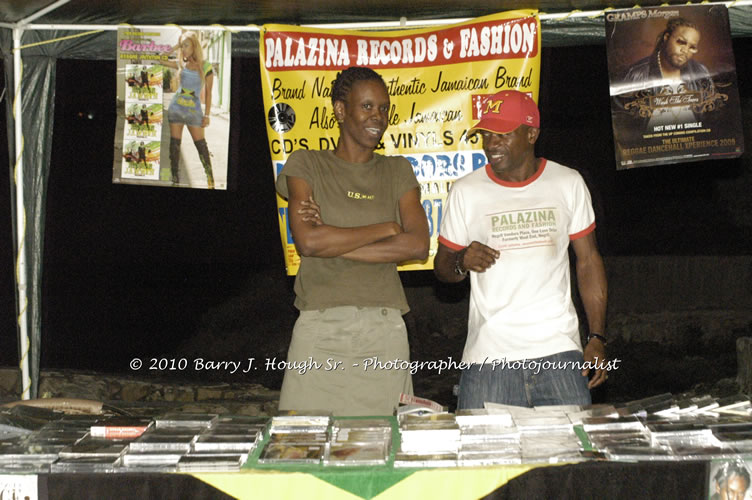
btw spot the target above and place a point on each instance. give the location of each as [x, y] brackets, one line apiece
[598, 336]
[458, 268]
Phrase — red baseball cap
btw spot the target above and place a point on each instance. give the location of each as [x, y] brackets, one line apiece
[504, 111]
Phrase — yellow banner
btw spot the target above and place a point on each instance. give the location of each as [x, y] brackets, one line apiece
[437, 79]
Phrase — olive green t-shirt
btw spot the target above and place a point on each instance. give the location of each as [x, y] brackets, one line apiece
[349, 195]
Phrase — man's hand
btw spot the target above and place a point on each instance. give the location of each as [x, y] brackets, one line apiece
[311, 211]
[595, 354]
[478, 257]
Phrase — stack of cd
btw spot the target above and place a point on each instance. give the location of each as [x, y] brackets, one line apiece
[11, 427]
[484, 417]
[605, 440]
[643, 407]
[176, 439]
[734, 435]
[160, 448]
[550, 447]
[230, 433]
[216, 462]
[543, 423]
[298, 437]
[294, 448]
[247, 423]
[546, 434]
[678, 431]
[431, 440]
[359, 442]
[591, 411]
[630, 453]
[591, 424]
[666, 427]
[300, 421]
[59, 433]
[185, 420]
[213, 442]
[736, 405]
[224, 445]
[688, 439]
[488, 437]
[91, 454]
[65, 440]
[623, 436]
[431, 433]
[20, 456]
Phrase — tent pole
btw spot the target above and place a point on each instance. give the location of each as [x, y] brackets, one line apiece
[46, 10]
[18, 175]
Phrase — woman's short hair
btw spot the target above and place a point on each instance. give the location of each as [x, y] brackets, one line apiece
[343, 83]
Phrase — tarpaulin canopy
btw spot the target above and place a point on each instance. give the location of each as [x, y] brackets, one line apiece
[35, 33]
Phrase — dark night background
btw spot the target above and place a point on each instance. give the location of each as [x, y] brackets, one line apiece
[132, 271]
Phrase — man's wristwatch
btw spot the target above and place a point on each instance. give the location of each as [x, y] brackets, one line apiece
[458, 268]
[598, 336]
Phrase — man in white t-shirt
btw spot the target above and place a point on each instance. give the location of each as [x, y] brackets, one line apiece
[509, 227]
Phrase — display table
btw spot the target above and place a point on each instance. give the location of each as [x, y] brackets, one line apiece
[591, 479]
[611, 480]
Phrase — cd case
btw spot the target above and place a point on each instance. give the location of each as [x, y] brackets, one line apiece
[340, 454]
[302, 453]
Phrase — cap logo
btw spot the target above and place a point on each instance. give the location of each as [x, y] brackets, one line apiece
[492, 106]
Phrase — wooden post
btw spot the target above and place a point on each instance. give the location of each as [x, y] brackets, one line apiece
[744, 364]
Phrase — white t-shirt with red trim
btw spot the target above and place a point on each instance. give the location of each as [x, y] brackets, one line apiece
[521, 307]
